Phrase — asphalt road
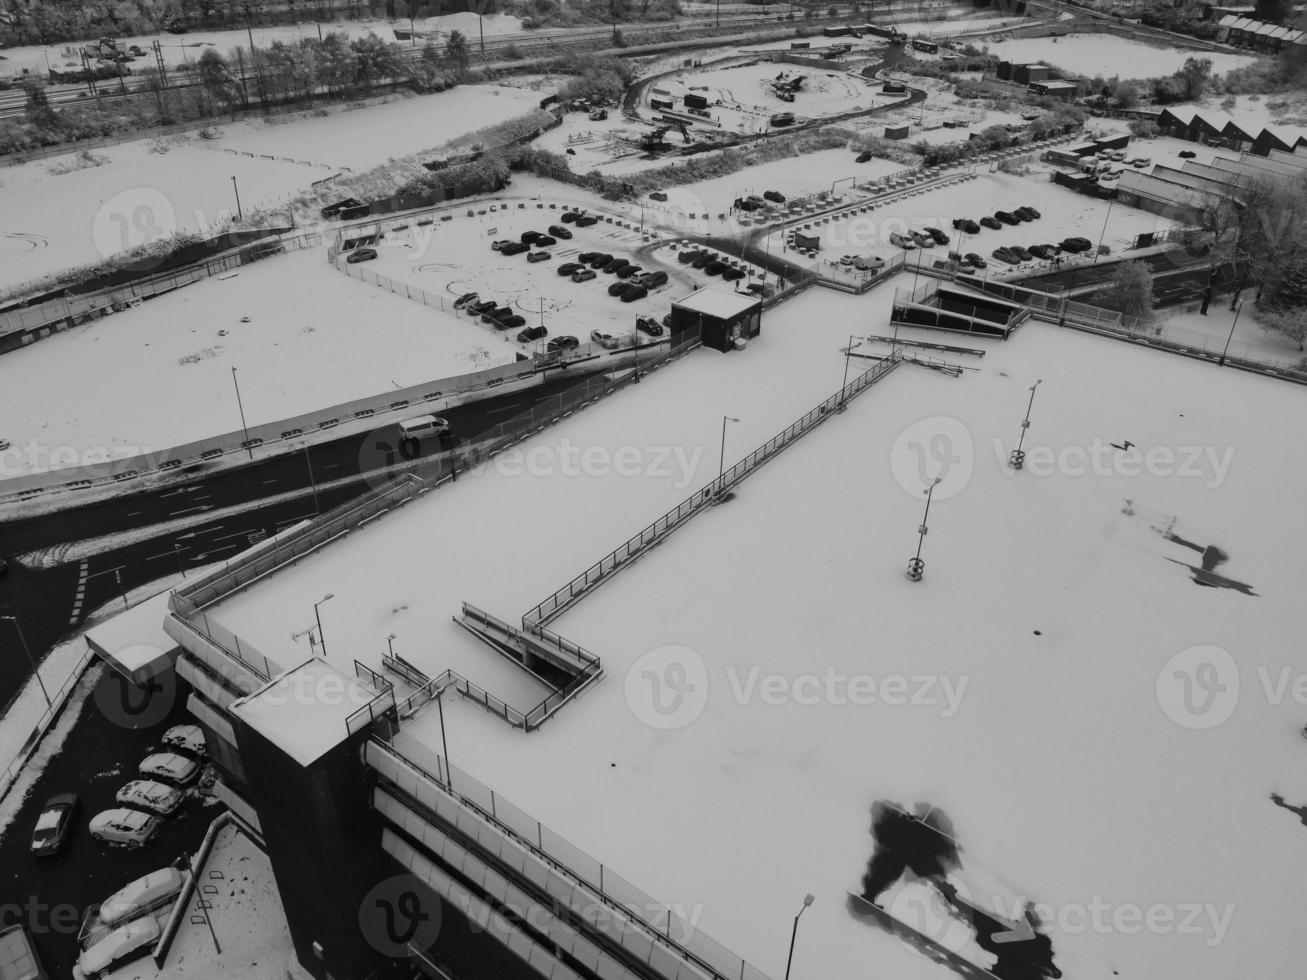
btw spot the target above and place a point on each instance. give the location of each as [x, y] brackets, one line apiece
[46, 600]
[50, 895]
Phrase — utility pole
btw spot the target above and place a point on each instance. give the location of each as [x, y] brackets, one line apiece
[1018, 457]
[258, 72]
[240, 215]
[244, 428]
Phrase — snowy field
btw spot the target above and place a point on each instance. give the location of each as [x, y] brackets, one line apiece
[1108, 55]
[1054, 663]
[179, 49]
[1063, 213]
[314, 338]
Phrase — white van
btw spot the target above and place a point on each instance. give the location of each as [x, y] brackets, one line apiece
[423, 427]
[124, 943]
[140, 894]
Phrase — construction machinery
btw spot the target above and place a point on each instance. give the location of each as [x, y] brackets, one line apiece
[654, 140]
[785, 86]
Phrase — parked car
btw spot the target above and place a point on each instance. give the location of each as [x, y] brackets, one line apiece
[53, 824]
[565, 342]
[124, 944]
[560, 231]
[975, 260]
[715, 268]
[496, 245]
[585, 258]
[600, 260]
[1044, 252]
[1021, 252]
[921, 238]
[545, 241]
[540, 256]
[616, 287]
[652, 280]
[532, 334]
[907, 244]
[966, 225]
[627, 271]
[868, 263]
[123, 827]
[776, 197]
[510, 322]
[1027, 209]
[361, 255]
[135, 896]
[939, 236]
[658, 196]
[1005, 254]
[567, 268]
[615, 263]
[583, 275]
[649, 325]
[605, 340]
[1076, 244]
[187, 738]
[586, 220]
[731, 273]
[531, 237]
[633, 292]
[570, 216]
[688, 256]
[1111, 175]
[169, 767]
[1007, 217]
[862, 157]
[702, 260]
[514, 248]
[1141, 162]
[761, 289]
[498, 313]
[464, 300]
[150, 796]
[481, 306]
[991, 223]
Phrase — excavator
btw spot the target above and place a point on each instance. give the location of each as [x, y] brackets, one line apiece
[653, 140]
[784, 87]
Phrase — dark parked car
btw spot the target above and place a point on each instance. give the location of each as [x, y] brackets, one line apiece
[1043, 251]
[1186, 154]
[559, 231]
[990, 222]
[361, 255]
[1027, 209]
[703, 259]
[485, 306]
[657, 196]
[1007, 217]
[497, 313]
[583, 275]
[652, 280]
[761, 289]
[647, 324]
[1023, 215]
[570, 216]
[617, 287]
[565, 342]
[600, 260]
[514, 248]
[715, 268]
[615, 263]
[567, 268]
[1021, 252]
[688, 256]
[464, 300]
[627, 271]
[730, 273]
[586, 220]
[532, 333]
[975, 260]
[544, 241]
[1076, 244]
[862, 157]
[54, 824]
[510, 322]
[495, 246]
[539, 257]
[1005, 254]
[966, 225]
[748, 204]
[531, 237]
[776, 197]
[586, 258]
[632, 292]
[938, 235]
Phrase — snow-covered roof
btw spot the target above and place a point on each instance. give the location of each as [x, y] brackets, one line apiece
[718, 303]
[1228, 20]
[134, 641]
[303, 712]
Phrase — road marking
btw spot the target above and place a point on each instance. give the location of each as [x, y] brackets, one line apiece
[82, 571]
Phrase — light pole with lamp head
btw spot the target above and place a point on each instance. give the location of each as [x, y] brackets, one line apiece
[721, 462]
[794, 933]
[917, 567]
[322, 640]
[1237, 310]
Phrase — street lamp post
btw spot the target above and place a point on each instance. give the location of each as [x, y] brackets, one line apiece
[917, 567]
[440, 706]
[240, 215]
[721, 462]
[322, 640]
[1237, 310]
[794, 933]
[848, 353]
[1018, 457]
[308, 460]
[28, 650]
[390, 644]
[244, 428]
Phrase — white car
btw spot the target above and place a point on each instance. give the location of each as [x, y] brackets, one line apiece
[605, 340]
[128, 828]
[140, 894]
[186, 738]
[123, 944]
[150, 796]
[170, 767]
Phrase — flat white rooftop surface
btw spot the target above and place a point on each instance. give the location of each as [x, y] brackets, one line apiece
[717, 302]
[1042, 659]
[304, 711]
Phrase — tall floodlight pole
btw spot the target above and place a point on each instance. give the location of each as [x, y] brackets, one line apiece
[721, 462]
[917, 567]
[322, 640]
[807, 900]
[240, 215]
[848, 353]
[244, 428]
[28, 650]
[440, 706]
[1018, 457]
[1237, 310]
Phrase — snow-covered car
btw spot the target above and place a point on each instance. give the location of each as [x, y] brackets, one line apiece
[135, 896]
[566, 342]
[1140, 162]
[868, 263]
[583, 275]
[123, 827]
[465, 299]
[186, 738]
[169, 767]
[499, 243]
[907, 244]
[124, 944]
[649, 325]
[966, 225]
[605, 340]
[922, 239]
[975, 260]
[938, 235]
[361, 255]
[151, 796]
[54, 824]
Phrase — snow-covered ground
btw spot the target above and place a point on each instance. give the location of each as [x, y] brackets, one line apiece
[179, 49]
[1108, 55]
[1055, 731]
[314, 338]
[51, 220]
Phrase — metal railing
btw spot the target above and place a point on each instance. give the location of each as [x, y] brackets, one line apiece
[616, 890]
[57, 701]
